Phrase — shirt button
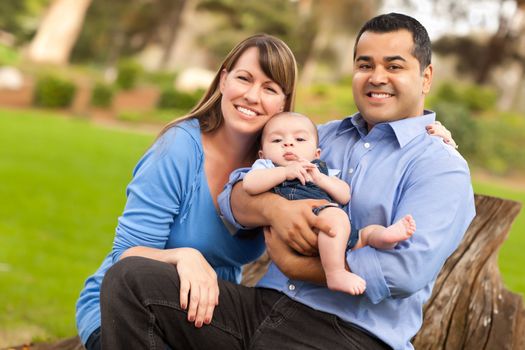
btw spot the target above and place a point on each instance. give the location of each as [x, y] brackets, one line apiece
[291, 287]
[367, 145]
[351, 171]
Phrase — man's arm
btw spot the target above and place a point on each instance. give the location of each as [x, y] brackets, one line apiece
[439, 196]
[293, 265]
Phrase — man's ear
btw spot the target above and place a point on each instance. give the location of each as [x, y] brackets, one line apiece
[260, 154]
[427, 79]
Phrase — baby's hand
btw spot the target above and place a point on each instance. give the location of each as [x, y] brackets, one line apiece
[296, 171]
[315, 174]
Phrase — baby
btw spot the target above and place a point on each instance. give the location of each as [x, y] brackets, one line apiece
[290, 166]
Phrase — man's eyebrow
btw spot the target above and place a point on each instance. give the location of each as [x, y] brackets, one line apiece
[364, 58]
[394, 58]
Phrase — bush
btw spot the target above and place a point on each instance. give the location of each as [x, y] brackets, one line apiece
[128, 73]
[502, 146]
[475, 98]
[480, 98]
[163, 80]
[458, 119]
[174, 99]
[102, 95]
[54, 92]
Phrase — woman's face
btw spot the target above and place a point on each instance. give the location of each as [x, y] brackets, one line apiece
[249, 97]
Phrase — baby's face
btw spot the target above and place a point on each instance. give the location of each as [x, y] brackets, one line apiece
[287, 139]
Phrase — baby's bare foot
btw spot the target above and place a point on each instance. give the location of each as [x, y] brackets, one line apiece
[400, 231]
[344, 281]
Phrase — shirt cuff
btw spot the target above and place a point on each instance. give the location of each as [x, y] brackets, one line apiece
[225, 205]
[365, 263]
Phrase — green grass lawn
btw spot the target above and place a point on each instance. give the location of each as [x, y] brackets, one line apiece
[62, 187]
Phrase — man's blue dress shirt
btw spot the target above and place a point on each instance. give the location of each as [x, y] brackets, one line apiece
[393, 170]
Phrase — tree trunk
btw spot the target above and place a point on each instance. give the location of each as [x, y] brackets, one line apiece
[469, 307]
[58, 31]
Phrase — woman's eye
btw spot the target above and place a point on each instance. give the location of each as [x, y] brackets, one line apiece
[243, 78]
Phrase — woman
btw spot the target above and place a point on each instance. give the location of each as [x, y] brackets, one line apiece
[176, 183]
[171, 213]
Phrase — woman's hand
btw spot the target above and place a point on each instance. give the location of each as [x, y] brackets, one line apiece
[437, 129]
[198, 285]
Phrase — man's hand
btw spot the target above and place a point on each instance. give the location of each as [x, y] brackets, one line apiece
[294, 223]
[294, 266]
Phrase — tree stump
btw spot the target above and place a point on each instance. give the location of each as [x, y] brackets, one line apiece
[469, 307]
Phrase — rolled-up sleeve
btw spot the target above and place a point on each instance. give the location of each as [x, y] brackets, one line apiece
[439, 196]
[224, 199]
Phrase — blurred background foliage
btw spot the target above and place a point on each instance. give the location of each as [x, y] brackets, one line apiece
[119, 63]
[479, 90]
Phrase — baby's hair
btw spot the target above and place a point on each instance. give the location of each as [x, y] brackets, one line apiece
[284, 114]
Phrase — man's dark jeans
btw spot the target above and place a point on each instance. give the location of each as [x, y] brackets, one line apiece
[141, 310]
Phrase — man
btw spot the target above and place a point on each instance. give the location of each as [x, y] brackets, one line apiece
[394, 168]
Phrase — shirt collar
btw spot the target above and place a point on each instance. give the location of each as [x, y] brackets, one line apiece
[405, 130]
[355, 121]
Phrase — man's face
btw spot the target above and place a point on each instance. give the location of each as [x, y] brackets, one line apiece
[388, 84]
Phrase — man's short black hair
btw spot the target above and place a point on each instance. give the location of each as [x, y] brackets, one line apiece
[392, 22]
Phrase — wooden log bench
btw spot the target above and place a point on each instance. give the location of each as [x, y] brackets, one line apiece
[469, 308]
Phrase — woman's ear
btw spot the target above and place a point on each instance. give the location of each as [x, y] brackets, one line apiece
[224, 75]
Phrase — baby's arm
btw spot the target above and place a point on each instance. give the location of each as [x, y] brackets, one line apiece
[335, 187]
[262, 180]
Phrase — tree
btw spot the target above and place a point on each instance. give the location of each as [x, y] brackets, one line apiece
[58, 31]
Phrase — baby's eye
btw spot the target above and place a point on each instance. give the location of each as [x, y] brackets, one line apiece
[300, 139]
[276, 140]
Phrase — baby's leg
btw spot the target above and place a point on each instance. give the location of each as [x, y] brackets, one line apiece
[333, 254]
[381, 237]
